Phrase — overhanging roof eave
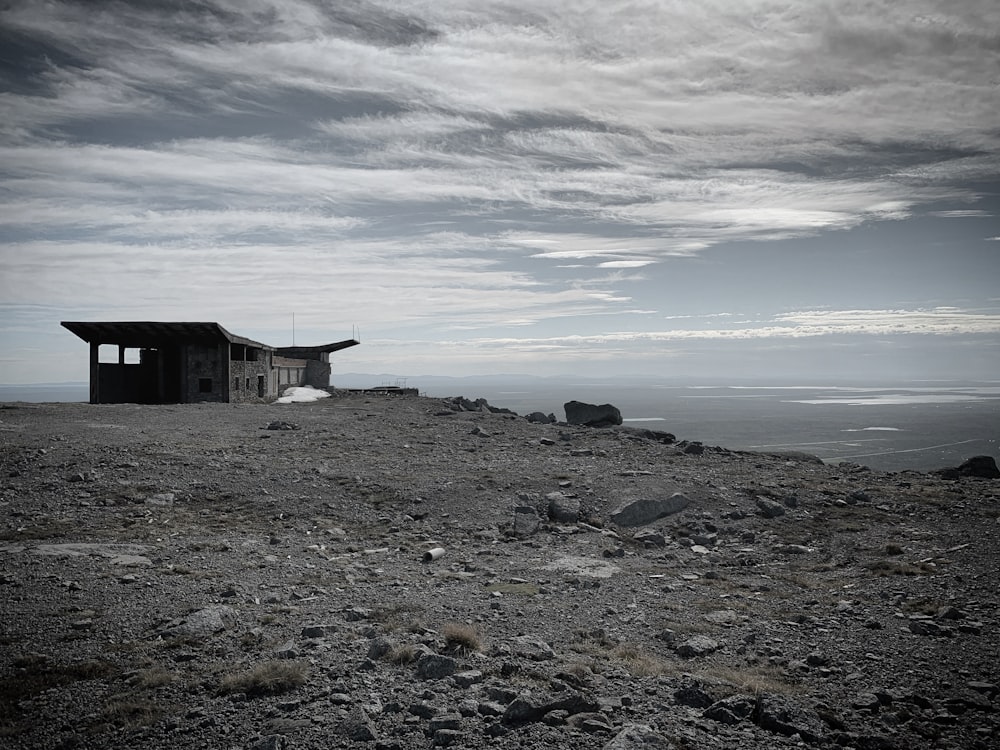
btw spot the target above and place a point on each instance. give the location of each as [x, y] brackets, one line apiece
[152, 333]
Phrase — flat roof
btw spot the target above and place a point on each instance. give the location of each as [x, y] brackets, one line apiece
[150, 333]
[321, 349]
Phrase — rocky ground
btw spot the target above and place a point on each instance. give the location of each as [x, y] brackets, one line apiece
[261, 577]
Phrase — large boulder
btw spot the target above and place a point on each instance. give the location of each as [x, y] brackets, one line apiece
[984, 467]
[648, 509]
[592, 415]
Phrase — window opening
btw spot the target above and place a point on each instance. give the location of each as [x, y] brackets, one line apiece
[107, 354]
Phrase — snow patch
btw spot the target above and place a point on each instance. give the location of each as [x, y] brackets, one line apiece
[303, 394]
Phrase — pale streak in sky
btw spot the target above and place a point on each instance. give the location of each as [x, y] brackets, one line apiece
[637, 186]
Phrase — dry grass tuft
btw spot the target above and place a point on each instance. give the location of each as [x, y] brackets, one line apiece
[400, 616]
[153, 677]
[641, 663]
[922, 605]
[405, 654]
[752, 680]
[267, 678]
[595, 636]
[461, 638]
[897, 568]
[579, 670]
[131, 712]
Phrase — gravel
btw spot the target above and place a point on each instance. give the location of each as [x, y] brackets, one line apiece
[258, 576]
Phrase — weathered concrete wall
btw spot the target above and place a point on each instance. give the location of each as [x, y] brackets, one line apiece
[205, 373]
[317, 374]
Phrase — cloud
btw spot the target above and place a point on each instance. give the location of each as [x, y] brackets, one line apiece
[796, 325]
[963, 214]
[626, 263]
[466, 166]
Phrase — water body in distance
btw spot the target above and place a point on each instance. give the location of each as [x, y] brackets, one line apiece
[45, 393]
[919, 426]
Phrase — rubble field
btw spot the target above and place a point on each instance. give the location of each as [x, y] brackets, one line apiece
[386, 571]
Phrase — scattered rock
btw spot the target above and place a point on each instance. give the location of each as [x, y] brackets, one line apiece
[201, 623]
[532, 648]
[447, 737]
[698, 645]
[987, 688]
[445, 721]
[358, 726]
[732, 709]
[778, 714]
[468, 678]
[928, 627]
[531, 706]
[318, 631]
[526, 521]
[656, 436]
[269, 742]
[769, 508]
[537, 417]
[563, 508]
[435, 666]
[649, 538]
[724, 617]
[638, 737]
[693, 695]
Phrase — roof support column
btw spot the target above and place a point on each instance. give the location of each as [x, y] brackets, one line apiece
[95, 373]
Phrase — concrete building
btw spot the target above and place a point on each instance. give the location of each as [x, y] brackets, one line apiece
[170, 363]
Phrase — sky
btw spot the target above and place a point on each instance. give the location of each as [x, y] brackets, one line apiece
[755, 189]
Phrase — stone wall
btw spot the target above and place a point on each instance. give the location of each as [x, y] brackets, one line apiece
[245, 379]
